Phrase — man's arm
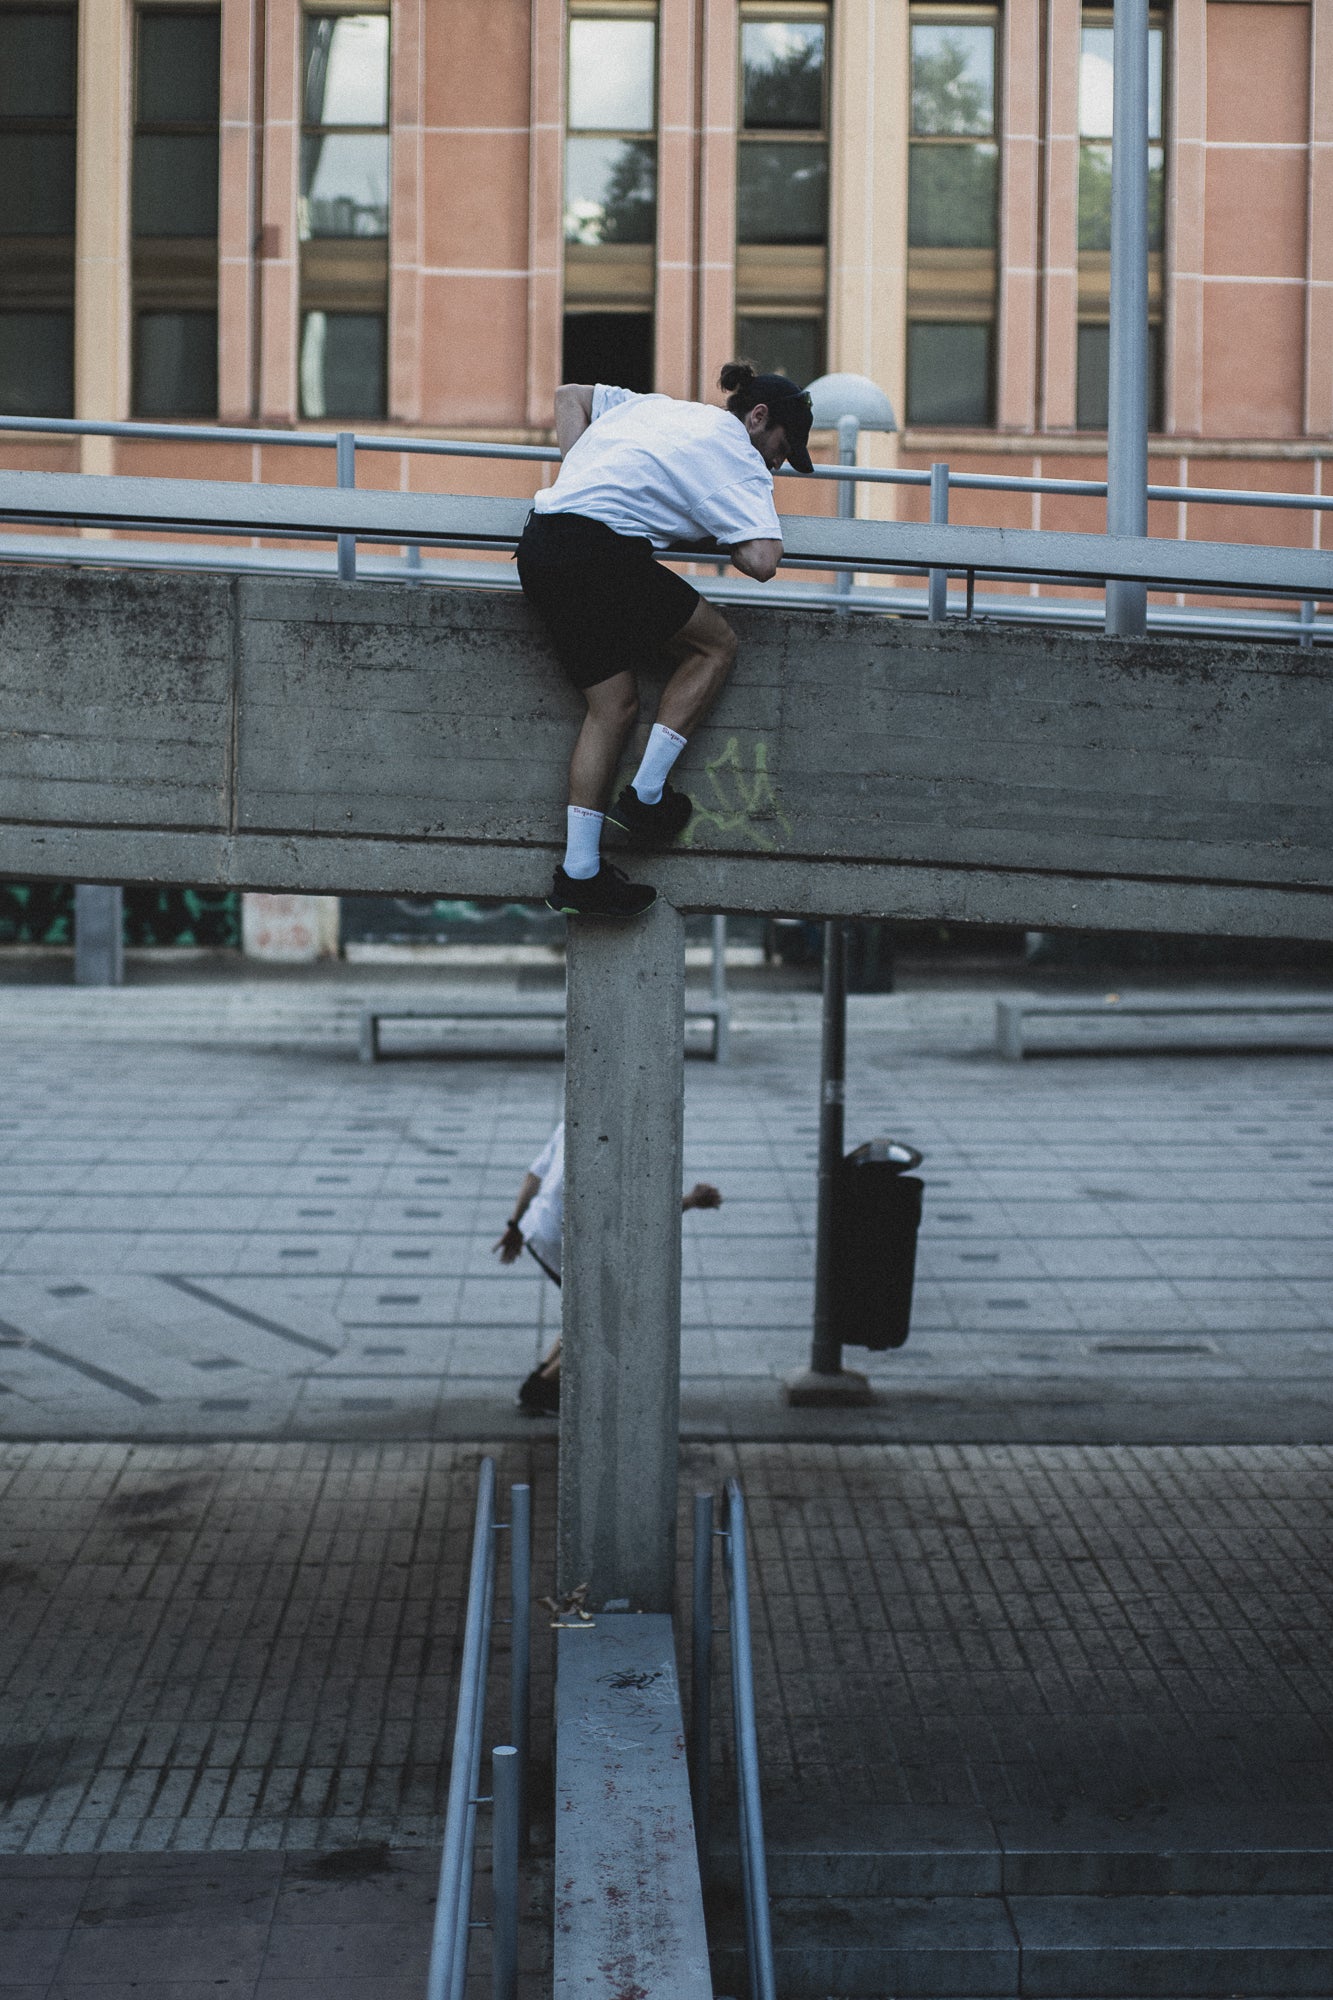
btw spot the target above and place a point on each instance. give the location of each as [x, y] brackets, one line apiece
[758, 559]
[573, 413]
[510, 1244]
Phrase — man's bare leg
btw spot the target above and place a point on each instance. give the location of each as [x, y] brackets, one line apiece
[704, 650]
[613, 710]
[705, 647]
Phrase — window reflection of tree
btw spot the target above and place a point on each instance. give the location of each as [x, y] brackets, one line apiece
[786, 89]
[947, 98]
[627, 210]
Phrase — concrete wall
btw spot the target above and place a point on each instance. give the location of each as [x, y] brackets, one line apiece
[298, 736]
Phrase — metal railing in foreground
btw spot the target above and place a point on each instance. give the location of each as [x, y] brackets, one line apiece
[749, 1802]
[935, 551]
[346, 444]
[509, 1762]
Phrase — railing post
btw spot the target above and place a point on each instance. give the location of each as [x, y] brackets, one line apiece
[937, 589]
[345, 456]
[520, 1643]
[1307, 622]
[1127, 413]
[448, 1957]
[849, 430]
[754, 1864]
[506, 1791]
[701, 1672]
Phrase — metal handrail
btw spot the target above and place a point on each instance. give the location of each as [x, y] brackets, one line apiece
[862, 475]
[348, 516]
[453, 1926]
[749, 1803]
[754, 1864]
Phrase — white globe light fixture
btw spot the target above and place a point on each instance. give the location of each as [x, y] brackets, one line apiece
[849, 404]
[836, 397]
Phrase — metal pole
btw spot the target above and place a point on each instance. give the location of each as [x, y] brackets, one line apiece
[701, 1672]
[445, 1945]
[463, 1935]
[1127, 415]
[1307, 622]
[849, 430]
[722, 1018]
[520, 1643]
[937, 590]
[755, 1869]
[345, 459]
[826, 1351]
[506, 1790]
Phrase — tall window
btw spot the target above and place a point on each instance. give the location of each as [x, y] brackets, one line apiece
[952, 216]
[174, 213]
[1096, 89]
[782, 190]
[611, 196]
[37, 102]
[343, 216]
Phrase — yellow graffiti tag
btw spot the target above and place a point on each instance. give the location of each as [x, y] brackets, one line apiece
[733, 802]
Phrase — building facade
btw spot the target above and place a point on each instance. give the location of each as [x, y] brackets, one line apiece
[424, 216]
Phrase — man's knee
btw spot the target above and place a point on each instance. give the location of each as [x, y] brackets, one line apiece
[614, 703]
[718, 647]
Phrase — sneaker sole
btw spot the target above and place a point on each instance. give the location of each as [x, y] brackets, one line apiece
[603, 916]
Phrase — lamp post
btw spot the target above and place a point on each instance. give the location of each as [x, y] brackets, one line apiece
[848, 404]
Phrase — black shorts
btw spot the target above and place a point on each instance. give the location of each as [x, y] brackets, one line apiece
[606, 602]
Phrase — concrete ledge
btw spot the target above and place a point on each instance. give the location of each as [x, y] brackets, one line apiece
[288, 734]
[628, 1902]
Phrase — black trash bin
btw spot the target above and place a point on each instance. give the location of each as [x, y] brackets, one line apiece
[876, 1215]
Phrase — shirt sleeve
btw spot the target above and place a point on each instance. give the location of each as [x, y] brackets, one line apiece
[605, 398]
[541, 1166]
[741, 511]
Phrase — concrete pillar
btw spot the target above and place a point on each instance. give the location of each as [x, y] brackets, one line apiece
[620, 1375]
[102, 224]
[99, 951]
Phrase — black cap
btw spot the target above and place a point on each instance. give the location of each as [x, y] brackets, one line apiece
[789, 406]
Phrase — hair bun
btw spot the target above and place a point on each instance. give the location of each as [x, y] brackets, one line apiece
[736, 375]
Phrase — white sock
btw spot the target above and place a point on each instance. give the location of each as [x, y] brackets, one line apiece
[660, 753]
[583, 843]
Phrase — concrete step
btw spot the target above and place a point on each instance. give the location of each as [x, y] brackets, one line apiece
[1043, 1947]
[822, 1849]
[880, 1945]
[1173, 1945]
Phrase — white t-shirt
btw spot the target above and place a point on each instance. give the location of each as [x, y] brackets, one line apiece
[544, 1218]
[649, 465]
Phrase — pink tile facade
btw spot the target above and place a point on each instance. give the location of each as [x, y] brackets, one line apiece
[476, 251]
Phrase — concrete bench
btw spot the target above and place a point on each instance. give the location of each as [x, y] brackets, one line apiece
[1011, 1014]
[629, 1913]
[718, 1012]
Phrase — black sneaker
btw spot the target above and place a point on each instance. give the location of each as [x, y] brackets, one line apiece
[651, 826]
[608, 893]
[540, 1394]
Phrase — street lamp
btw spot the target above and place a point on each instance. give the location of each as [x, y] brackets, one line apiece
[848, 404]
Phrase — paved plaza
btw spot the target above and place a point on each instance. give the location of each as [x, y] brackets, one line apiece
[1067, 1582]
[215, 1222]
